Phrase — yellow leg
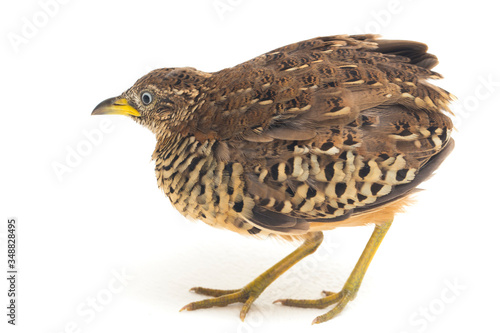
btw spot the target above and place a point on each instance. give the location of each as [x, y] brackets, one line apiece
[351, 287]
[251, 291]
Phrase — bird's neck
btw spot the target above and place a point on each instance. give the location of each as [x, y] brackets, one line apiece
[166, 144]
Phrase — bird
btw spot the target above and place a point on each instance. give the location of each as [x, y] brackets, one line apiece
[329, 132]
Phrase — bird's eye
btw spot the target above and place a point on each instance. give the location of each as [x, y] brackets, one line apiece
[146, 98]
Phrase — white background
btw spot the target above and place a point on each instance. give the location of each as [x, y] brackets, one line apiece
[105, 216]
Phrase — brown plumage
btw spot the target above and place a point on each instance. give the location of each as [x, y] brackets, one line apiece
[328, 132]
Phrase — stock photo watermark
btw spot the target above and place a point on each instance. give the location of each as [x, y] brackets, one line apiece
[428, 313]
[223, 7]
[31, 25]
[293, 278]
[381, 18]
[486, 88]
[75, 155]
[12, 274]
[89, 309]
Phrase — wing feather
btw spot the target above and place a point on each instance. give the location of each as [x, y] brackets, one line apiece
[328, 127]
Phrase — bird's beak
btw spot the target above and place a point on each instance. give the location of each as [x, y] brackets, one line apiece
[116, 105]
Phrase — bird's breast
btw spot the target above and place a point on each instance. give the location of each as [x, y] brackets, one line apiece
[200, 186]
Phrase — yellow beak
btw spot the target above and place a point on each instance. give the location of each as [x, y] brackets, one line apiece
[116, 105]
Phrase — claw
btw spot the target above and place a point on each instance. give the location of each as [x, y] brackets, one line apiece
[246, 307]
[186, 307]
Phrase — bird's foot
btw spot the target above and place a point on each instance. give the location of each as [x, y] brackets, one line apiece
[246, 295]
[351, 287]
[341, 299]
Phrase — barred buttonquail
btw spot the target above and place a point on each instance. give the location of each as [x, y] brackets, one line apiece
[328, 132]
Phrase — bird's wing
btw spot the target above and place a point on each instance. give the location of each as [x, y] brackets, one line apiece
[290, 92]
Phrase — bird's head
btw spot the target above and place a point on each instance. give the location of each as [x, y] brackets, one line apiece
[162, 100]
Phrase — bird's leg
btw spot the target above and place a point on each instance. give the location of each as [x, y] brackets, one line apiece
[251, 291]
[351, 287]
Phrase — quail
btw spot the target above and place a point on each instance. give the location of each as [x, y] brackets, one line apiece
[328, 132]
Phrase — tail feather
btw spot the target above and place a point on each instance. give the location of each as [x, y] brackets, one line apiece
[415, 51]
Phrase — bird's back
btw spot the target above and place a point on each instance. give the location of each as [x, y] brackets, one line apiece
[306, 137]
